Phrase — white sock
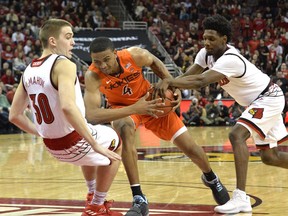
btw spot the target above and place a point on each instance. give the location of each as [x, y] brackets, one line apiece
[99, 197]
[91, 186]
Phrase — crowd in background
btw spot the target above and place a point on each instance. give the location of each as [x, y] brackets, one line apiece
[259, 33]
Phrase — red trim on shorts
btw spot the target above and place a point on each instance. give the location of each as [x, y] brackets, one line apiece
[65, 142]
[266, 146]
[282, 140]
[253, 126]
[263, 147]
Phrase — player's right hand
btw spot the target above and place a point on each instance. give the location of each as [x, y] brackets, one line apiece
[106, 152]
[146, 106]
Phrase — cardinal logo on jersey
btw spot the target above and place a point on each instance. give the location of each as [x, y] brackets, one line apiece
[256, 112]
[112, 145]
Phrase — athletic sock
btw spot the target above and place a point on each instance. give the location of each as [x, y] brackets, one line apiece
[210, 175]
[91, 186]
[136, 190]
[99, 197]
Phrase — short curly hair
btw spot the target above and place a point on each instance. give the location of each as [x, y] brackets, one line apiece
[218, 23]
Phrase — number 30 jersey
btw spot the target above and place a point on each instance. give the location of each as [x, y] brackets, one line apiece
[44, 100]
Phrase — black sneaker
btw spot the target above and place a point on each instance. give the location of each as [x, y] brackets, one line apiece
[139, 207]
[219, 191]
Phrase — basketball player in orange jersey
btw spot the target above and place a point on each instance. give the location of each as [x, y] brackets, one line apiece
[51, 87]
[118, 75]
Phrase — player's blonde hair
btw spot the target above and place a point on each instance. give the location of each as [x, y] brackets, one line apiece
[51, 28]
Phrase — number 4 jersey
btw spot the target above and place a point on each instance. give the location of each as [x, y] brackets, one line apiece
[44, 98]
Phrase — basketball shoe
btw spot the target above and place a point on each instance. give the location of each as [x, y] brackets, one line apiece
[103, 210]
[89, 198]
[139, 207]
[239, 202]
[220, 193]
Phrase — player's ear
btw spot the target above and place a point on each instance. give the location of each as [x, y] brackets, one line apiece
[52, 41]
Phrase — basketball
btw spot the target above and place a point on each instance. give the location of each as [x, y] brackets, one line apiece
[168, 107]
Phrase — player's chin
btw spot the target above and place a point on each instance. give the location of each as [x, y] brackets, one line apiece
[69, 55]
[209, 51]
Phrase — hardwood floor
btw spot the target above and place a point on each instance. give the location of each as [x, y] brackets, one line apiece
[170, 181]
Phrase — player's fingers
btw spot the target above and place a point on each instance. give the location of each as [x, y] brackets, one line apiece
[146, 95]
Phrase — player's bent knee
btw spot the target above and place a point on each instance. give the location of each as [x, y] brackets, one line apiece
[122, 124]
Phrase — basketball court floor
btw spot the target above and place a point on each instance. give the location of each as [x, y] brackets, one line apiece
[34, 183]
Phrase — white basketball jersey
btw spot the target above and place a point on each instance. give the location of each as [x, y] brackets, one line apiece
[44, 100]
[244, 81]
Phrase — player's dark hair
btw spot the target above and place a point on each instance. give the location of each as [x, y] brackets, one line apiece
[219, 24]
[101, 44]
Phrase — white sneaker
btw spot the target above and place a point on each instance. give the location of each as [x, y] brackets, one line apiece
[239, 202]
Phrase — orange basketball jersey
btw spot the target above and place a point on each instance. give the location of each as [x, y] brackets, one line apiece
[126, 88]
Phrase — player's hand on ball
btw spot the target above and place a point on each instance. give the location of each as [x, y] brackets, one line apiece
[146, 106]
[160, 88]
[167, 107]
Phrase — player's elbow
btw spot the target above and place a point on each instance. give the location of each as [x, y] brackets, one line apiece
[12, 117]
[67, 109]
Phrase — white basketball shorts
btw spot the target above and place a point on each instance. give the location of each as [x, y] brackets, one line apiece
[75, 150]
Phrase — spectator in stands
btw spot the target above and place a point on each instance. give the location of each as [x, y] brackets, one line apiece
[28, 47]
[189, 46]
[12, 16]
[284, 70]
[18, 36]
[246, 28]
[253, 43]
[235, 111]
[278, 50]
[259, 23]
[170, 50]
[4, 34]
[263, 55]
[223, 118]
[111, 22]
[179, 56]
[42, 12]
[193, 114]
[37, 49]
[8, 79]
[10, 93]
[280, 80]
[155, 29]
[7, 55]
[156, 52]
[272, 60]
[212, 112]
[139, 10]
[5, 66]
[19, 61]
